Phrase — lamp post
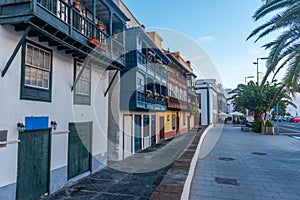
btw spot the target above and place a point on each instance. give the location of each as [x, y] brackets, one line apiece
[248, 77]
[256, 63]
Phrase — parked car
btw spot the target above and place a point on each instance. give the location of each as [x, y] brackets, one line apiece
[278, 118]
[294, 119]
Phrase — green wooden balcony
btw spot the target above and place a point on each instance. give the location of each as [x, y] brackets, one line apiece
[70, 29]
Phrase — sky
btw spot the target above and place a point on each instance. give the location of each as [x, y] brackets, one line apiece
[218, 28]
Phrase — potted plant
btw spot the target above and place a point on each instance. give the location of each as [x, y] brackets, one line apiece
[100, 25]
[269, 127]
[103, 46]
[148, 93]
[76, 4]
[168, 99]
[158, 62]
[150, 55]
[116, 33]
[94, 41]
[156, 95]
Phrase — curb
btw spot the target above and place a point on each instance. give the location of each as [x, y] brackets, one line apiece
[175, 184]
[187, 186]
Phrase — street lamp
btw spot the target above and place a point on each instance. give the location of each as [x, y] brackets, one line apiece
[248, 77]
[256, 63]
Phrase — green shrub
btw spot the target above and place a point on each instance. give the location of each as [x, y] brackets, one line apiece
[269, 123]
[257, 126]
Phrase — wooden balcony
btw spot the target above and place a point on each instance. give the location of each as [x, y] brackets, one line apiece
[139, 101]
[150, 103]
[61, 25]
[177, 80]
[155, 70]
[176, 104]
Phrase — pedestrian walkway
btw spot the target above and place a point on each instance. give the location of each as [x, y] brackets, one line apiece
[135, 177]
[245, 165]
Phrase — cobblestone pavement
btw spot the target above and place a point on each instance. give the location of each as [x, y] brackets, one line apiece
[135, 178]
[113, 184]
[245, 165]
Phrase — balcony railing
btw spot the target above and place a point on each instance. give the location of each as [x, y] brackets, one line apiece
[178, 78]
[70, 22]
[175, 103]
[118, 50]
[141, 97]
[156, 69]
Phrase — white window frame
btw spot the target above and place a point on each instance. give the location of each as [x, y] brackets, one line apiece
[83, 79]
[38, 68]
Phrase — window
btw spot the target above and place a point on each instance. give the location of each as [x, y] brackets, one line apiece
[173, 122]
[82, 90]
[37, 67]
[184, 119]
[36, 72]
[140, 83]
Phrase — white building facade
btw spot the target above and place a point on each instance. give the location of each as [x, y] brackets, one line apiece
[53, 92]
[212, 100]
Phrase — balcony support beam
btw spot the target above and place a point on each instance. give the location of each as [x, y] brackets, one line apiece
[12, 57]
[111, 82]
[94, 14]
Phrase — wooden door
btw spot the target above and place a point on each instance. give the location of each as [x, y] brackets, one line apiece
[79, 157]
[137, 132]
[33, 164]
[162, 128]
[153, 129]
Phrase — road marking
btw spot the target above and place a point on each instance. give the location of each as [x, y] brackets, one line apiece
[290, 129]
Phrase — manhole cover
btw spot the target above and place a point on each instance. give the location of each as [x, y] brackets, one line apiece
[259, 153]
[226, 181]
[226, 159]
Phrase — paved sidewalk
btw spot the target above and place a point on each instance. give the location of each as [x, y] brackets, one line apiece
[245, 165]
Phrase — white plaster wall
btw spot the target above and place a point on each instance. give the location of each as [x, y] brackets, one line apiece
[121, 138]
[213, 112]
[204, 104]
[61, 109]
[213, 107]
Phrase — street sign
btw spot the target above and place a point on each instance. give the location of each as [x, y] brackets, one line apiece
[275, 109]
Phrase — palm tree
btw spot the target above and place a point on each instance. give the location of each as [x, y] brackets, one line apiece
[285, 49]
[259, 100]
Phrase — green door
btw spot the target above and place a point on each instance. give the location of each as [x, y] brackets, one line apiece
[33, 164]
[79, 148]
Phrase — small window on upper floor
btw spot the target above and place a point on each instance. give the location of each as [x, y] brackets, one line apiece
[36, 73]
[82, 92]
[140, 83]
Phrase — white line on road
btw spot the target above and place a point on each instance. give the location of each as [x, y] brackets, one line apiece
[289, 129]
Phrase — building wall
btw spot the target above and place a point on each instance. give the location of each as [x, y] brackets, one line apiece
[126, 138]
[61, 109]
[168, 130]
[209, 109]
[183, 124]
